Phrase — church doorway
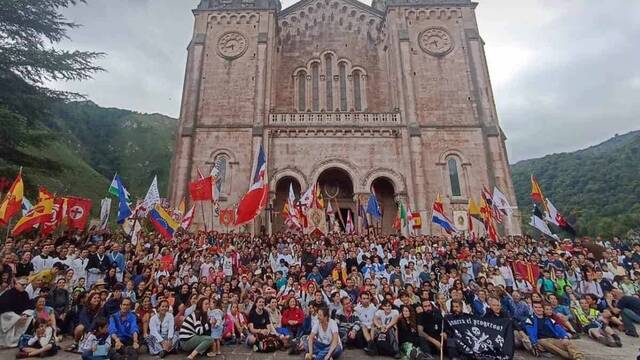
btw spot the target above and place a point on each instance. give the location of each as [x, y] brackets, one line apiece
[282, 194]
[337, 188]
[385, 193]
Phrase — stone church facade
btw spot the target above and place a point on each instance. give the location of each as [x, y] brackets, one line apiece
[394, 96]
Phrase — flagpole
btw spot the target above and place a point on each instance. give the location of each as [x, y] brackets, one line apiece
[204, 221]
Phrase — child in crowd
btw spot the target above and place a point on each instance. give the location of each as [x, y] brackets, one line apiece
[216, 317]
[97, 344]
[41, 344]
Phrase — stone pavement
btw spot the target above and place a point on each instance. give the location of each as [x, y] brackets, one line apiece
[591, 349]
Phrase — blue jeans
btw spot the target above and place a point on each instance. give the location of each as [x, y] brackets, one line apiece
[629, 317]
[321, 350]
[88, 355]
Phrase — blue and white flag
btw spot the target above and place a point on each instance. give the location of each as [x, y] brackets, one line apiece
[373, 207]
[124, 211]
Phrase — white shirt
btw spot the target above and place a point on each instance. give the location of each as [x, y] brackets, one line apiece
[325, 336]
[162, 330]
[365, 314]
[386, 319]
[79, 266]
[40, 264]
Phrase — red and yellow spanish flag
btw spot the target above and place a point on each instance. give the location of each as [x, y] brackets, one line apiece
[37, 215]
[536, 192]
[12, 203]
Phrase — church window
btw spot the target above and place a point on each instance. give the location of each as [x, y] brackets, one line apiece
[315, 87]
[454, 178]
[343, 86]
[329, 81]
[302, 91]
[357, 98]
[220, 172]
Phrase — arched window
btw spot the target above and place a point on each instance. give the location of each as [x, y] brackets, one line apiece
[343, 86]
[302, 91]
[329, 81]
[357, 97]
[219, 170]
[454, 178]
[315, 87]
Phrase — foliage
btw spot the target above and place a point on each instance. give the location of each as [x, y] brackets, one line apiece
[597, 189]
[28, 30]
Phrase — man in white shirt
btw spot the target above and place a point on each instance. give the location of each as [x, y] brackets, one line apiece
[365, 311]
[44, 260]
[79, 265]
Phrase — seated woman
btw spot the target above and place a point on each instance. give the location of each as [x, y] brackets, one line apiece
[44, 312]
[324, 341]
[411, 344]
[276, 320]
[43, 342]
[162, 339]
[195, 332]
[86, 319]
[261, 331]
[235, 330]
[144, 312]
[292, 316]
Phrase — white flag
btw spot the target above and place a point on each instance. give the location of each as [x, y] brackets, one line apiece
[152, 197]
[551, 215]
[26, 206]
[188, 218]
[307, 198]
[349, 227]
[500, 201]
[293, 212]
[539, 224]
[105, 211]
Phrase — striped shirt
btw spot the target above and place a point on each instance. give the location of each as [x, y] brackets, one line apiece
[192, 326]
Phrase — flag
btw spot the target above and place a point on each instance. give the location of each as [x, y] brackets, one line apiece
[78, 211]
[319, 201]
[227, 217]
[162, 221]
[44, 194]
[538, 223]
[410, 223]
[553, 216]
[373, 207]
[188, 218]
[51, 223]
[473, 210]
[182, 207]
[124, 211]
[219, 172]
[500, 201]
[362, 214]
[201, 189]
[402, 211]
[496, 213]
[417, 220]
[105, 211]
[438, 217]
[152, 197]
[536, 191]
[306, 199]
[256, 198]
[476, 337]
[26, 206]
[331, 214]
[349, 227]
[34, 217]
[113, 189]
[487, 214]
[12, 203]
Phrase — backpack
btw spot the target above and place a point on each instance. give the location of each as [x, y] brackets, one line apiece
[386, 343]
[269, 344]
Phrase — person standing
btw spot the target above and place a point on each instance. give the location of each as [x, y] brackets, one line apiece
[97, 266]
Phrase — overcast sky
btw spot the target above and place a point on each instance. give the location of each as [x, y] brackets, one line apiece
[565, 74]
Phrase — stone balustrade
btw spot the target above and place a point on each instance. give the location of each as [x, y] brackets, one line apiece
[335, 119]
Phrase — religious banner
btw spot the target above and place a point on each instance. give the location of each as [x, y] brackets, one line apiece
[227, 217]
[460, 220]
[482, 338]
[316, 222]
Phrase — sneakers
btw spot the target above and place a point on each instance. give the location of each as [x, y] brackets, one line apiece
[162, 354]
[413, 354]
[617, 340]
[22, 355]
[295, 347]
[424, 356]
[631, 333]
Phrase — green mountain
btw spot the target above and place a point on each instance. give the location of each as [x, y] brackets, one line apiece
[88, 144]
[597, 189]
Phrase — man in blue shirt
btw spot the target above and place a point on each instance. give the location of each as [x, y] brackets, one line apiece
[123, 329]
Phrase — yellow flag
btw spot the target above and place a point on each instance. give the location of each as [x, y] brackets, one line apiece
[12, 203]
[39, 213]
[182, 207]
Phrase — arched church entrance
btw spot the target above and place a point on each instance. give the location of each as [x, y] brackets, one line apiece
[282, 194]
[385, 193]
[337, 188]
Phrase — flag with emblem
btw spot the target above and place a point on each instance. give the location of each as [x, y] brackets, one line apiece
[78, 211]
[162, 221]
[51, 223]
[34, 217]
[152, 197]
[113, 189]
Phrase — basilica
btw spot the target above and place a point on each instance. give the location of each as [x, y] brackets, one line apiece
[392, 97]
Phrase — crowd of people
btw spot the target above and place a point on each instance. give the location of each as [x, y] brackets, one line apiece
[106, 298]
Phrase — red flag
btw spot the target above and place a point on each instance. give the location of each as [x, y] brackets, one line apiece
[12, 201]
[202, 189]
[78, 211]
[52, 222]
[255, 199]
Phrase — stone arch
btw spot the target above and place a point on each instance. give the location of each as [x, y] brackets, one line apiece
[349, 167]
[288, 172]
[396, 179]
[445, 154]
[462, 169]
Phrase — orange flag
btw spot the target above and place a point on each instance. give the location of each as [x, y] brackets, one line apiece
[12, 203]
